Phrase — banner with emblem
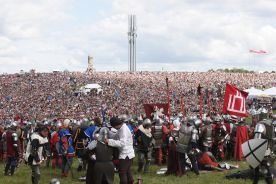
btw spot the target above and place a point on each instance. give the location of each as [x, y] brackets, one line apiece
[159, 108]
[234, 101]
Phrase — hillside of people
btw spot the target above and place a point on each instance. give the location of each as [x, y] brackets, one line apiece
[35, 96]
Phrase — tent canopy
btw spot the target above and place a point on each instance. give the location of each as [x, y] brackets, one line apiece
[92, 86]
[253, 92]
[270, 91]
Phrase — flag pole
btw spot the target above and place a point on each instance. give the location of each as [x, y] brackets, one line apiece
[168, 97]
[209, 104]
[200, 106]
[183, 106]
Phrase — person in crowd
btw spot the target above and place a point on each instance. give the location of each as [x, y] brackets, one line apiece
[34, 153]
[124, 142]
[11, 149]
[103, 170]
[66, 149]
[144, 145]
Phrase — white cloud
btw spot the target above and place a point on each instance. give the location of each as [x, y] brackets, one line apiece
[173, 34]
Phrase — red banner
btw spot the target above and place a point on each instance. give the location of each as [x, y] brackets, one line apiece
[149, 109]
[234, 101]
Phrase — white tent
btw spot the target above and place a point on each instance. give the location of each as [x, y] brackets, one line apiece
[270, 91]
[253, 92]
[92, 86]
[89, 87]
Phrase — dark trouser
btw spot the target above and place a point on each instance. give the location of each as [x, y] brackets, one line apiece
[124, 171]
[35, 174]
[66, 164]
[11, 164]
[194, 163]
[89, 172]
[144, 159]
[268, 176]
[182, 161]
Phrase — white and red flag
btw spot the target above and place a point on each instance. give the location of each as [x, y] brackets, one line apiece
[234, 101]
[257, 51]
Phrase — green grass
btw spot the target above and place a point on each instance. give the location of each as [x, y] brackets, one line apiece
[23, 176]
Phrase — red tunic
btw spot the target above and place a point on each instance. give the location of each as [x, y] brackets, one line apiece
[241, 137]
[205, 159]
[11, 151]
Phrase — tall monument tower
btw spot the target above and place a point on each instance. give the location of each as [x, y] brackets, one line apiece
[132, 43]
[90, 67]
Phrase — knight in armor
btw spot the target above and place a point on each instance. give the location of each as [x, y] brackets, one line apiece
[187, 144]
[206, 134]
[80, 141]
[264, 130]
[265, 167]
[34, 152]
[54, 146]
[66, 149]
[241, 137]
[144, 145]
[220, 136]
[207, 161]
[157, 136]
[232, 123]
[89, 133]
[167, 129]
[103, 170]
[11, 149]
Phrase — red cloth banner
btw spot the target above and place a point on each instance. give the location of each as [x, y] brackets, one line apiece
[149, 109]
[234, 101]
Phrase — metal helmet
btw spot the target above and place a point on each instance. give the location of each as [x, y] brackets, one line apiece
[147, 122]
[197, 123]
[176, 122]
[55, 181]
[123, 118]
[13, 125]
[103, 134]
[59, 124]
[259, 131]
[207, 121]
[190, 120]
[217, 118]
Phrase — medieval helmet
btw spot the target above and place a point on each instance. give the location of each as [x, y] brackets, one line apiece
[103, 134]
[123, 118]
[55, 181]
[147, 122]
[197, 123]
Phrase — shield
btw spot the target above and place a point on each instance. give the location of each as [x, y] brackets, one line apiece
[254, 151]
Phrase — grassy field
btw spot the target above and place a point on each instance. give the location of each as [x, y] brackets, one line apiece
[23, 176]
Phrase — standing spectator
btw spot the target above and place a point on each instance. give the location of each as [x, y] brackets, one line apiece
[34, 152]
[66, 147]
[11, 148]
[124, 142]
[144, 147]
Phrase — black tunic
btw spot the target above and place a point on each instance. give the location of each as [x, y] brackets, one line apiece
[103, 168]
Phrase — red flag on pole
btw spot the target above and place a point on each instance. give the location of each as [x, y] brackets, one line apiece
[234, 101]
[257, 51]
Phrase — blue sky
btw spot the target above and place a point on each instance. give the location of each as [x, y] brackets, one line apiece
[173, 35]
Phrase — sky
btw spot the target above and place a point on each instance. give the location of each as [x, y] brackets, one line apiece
[173, 35]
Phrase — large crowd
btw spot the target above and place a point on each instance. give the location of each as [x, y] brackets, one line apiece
[35, 96]
[44, 116]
